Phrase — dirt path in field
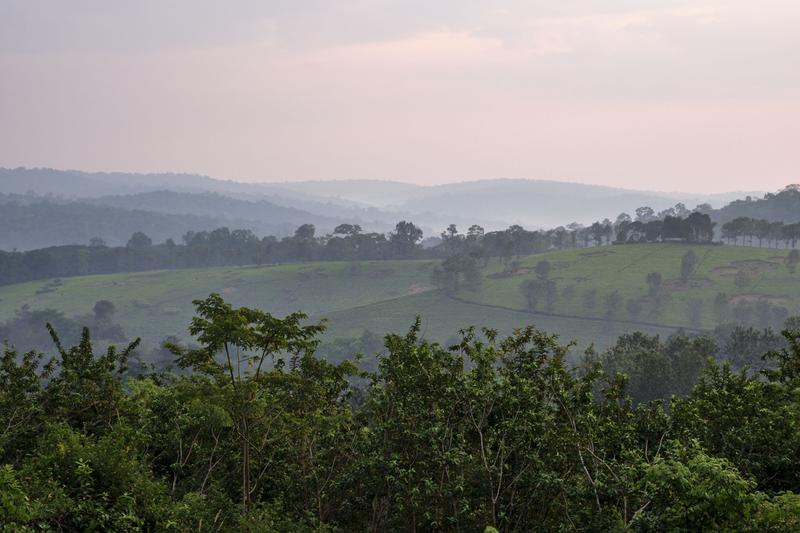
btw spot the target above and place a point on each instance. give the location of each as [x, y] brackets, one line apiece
[578, 317]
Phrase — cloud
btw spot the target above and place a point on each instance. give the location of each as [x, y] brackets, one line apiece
[610, 91]
[637, 31]
[442, 49]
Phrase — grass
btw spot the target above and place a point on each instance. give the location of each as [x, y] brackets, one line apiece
[624, 268]
[156, 304]
[385, 296]
[443, 316]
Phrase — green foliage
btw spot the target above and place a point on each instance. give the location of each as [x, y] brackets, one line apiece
[540, 290]
[490, 434]
[543, 269]
[457, 271]
[15, 505]
[657, 370]
[691, 491]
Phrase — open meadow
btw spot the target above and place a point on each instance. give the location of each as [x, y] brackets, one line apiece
[385, 296]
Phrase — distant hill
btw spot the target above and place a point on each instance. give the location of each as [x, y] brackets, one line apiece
[535, 203]
[375, 204]
[218, 206]
[77, 185]
[497, 203]
[31, 222]
[783, 206]
[378, 193]
[38, 224]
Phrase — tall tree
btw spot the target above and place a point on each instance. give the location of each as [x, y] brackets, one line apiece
[235, 344]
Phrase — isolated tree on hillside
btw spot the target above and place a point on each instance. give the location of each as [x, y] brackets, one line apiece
[688, 264]
[721, 307]
[792, 260]
[613, 303]
[457, 271]
[543, 269]
[536, 290]
[103, 310]
[654, 280]
[694, 311]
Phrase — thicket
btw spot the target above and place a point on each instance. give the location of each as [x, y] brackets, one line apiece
[256, 433]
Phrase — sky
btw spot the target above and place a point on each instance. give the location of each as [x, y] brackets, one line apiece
[647, 94]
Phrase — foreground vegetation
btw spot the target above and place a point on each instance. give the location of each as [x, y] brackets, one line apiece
[258, 434]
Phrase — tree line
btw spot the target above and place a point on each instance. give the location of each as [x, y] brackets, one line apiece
[255, 433]
[348, 242]
[219, 247]
[744, 229]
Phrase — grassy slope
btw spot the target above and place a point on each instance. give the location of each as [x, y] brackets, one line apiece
[443, 316]
[385, 296]
[156, 304]
[624, 268]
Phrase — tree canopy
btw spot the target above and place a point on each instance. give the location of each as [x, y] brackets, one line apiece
[255, 432]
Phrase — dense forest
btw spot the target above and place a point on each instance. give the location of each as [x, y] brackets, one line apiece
[253, 432]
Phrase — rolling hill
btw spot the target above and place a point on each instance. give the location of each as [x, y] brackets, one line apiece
[241, 213]
[492, 203]
[385, 296]
[33, 222]
[623, 269]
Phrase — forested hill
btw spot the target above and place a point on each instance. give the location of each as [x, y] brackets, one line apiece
[492, 203]
[783, 206]
[218, 206]
[31, 222]
[39, 223]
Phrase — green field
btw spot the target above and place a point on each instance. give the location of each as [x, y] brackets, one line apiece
[385, 296]
[624, 268]
[156, 304]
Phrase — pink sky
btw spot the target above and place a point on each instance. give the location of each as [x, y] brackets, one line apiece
[657, 95]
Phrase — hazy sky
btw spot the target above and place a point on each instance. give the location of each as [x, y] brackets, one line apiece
[650, 94]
